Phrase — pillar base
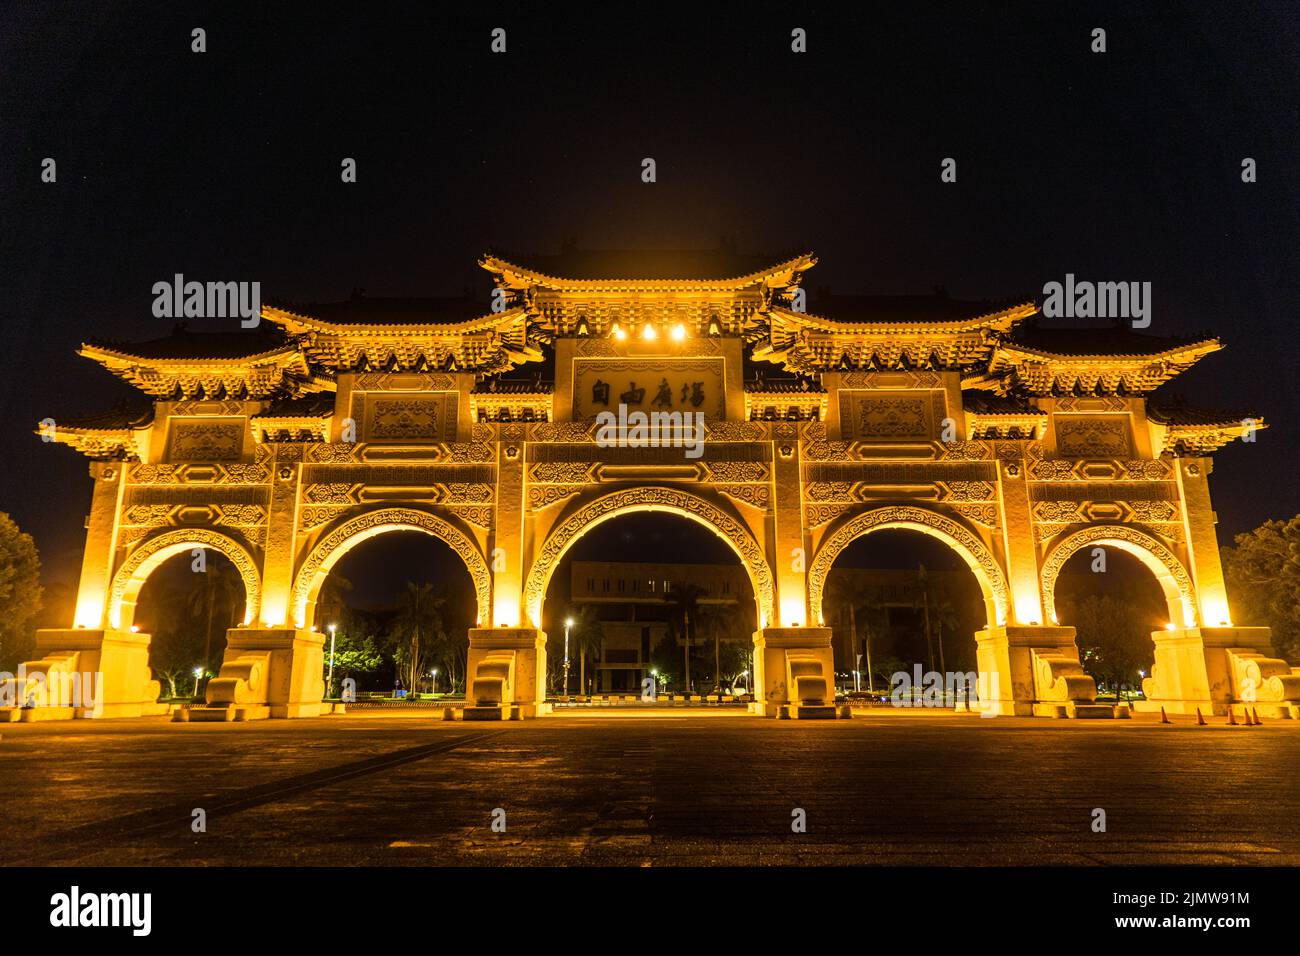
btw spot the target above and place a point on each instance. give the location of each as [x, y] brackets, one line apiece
[794, 672]
[1032, 670]
[506, 673]
[266, 672]
[1215, 669]
[83, 673]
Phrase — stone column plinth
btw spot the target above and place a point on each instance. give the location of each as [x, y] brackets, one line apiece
[505, 673]
[1032, 670]
[266, 672]
[794, 672]
[84, 672]
[1215, 669]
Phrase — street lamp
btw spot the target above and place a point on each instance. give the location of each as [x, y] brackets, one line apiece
[568, 623]
[198, 672]
[329, 680]
[434, 674]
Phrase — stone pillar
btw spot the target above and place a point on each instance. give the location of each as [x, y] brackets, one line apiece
[506, 559]
[101, 543]
[794, 672]
[505, 674]
[1202, 541]
[281, 542]
[789, 559]
[1025, 598]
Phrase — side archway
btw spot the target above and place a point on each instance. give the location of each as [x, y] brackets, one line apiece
[1163, 563]
[654, 498]
[135, 570]
[989, 574]
[311, 575]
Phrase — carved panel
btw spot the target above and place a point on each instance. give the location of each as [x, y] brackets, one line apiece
[1094, 436]
[205, 440]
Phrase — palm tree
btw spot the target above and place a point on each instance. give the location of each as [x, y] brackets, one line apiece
[685, 600]
[419, 619]
[219, 587]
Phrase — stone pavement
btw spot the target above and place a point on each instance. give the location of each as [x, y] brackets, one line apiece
[685, 790]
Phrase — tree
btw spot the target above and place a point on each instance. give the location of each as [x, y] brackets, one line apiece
[416, 628]
[175, 646]
[685, 602]
[214, 602]
[1114, 642]
[20, 593]
[1263, 578]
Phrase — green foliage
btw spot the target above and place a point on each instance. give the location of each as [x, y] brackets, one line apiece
[20, 593]
[1263, 579]
[1114, 641]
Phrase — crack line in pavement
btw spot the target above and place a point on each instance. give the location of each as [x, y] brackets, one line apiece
[68, 842]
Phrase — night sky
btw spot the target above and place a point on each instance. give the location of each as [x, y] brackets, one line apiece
[225, 166]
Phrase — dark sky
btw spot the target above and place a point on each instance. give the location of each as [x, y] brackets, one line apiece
[225, 165]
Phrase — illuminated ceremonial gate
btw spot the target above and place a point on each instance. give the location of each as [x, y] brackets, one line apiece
[823, 420]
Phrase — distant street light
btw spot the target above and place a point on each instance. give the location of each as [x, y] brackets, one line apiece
[329, 680]
[568, 623]
[198, 672]
[434, 674]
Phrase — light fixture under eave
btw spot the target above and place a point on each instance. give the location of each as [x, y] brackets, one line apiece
[649, 332]
[617, 332]
[679, 332]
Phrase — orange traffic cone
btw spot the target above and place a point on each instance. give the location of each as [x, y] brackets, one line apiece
[1258, 722]
[1164, 718]
[1200, 721]
[1232, 718]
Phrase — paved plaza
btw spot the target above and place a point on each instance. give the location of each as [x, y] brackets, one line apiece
[690, 789]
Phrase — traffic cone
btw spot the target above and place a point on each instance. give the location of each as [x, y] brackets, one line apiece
[1164, 718]
[1200, 721]
[1232, 718]
[1258, 722]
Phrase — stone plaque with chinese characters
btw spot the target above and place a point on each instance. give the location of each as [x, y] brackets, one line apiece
[649, 385]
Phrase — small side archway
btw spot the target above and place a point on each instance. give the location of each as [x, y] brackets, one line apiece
[1169, 572]
[152, 552]
[992, 580]
[327, 552]
[652, 498]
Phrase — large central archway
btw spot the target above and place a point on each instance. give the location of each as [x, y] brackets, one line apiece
[653, 498]
[315, 569]
[988, 572]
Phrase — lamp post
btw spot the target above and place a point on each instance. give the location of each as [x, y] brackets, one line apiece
[434, 674]
[329, 680]
[198, 672]
[568, 623]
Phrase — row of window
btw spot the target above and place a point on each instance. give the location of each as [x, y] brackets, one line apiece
[652, 586]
